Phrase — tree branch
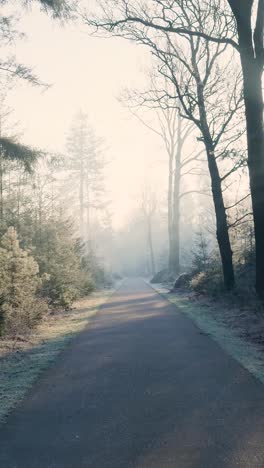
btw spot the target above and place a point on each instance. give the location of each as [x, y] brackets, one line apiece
[110, 26]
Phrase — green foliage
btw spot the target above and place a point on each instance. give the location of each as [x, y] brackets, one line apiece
[19, 282]
[84, 164]
[200, 259]
[91, 264]
[31, 202]
[207, 275]
[13, 151]
[206, 264]
[87, 284]
[58, 8]
[60, 263]
[56, 272]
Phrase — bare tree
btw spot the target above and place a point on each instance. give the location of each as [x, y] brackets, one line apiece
[192, 65]
[84, 165]
[246, 22]
[251, 49]
[174, 131]
[149, 208]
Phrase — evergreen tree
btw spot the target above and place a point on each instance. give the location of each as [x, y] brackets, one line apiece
[201, 252]
[19, 281]
[60, 261]
[84, 165]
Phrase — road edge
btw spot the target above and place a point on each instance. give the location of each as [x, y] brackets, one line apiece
[247, 354]
[21, 370]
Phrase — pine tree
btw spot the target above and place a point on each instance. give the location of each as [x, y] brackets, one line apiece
[201, 252]
[84, 165]
[60, 262]
[19, 280]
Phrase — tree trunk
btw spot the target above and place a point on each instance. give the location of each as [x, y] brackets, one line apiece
[255, 138]
[81, 201]
[170, 191]
[175, 257]
[151, 250]
[251, 54]
[222, 233]
[176, 225]
[176, 203]
[88, 213]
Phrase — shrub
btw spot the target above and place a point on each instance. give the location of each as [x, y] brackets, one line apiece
[199, 281]
[209, 282]
[60, 266]
[88, 285]
[19, 282]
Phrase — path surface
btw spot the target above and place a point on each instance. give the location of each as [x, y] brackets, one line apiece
[141, 387]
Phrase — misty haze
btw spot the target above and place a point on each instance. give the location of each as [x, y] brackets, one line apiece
[131, 234]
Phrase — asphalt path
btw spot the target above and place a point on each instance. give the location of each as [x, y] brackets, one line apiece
[141, 387]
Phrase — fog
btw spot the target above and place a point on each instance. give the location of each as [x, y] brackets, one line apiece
[88, 74]
[131, 233]
[108, 81]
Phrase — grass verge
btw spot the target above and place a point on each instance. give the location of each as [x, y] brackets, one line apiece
[212, 321]
[22, 362]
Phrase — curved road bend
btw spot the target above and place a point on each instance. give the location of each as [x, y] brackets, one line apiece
[141, 387]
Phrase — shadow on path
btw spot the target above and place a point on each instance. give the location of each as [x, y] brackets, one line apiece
[140, 387]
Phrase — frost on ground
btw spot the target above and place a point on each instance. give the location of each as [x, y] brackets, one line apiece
[22, 362]
[239, 332]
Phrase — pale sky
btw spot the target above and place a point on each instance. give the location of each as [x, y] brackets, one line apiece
[88, 73]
